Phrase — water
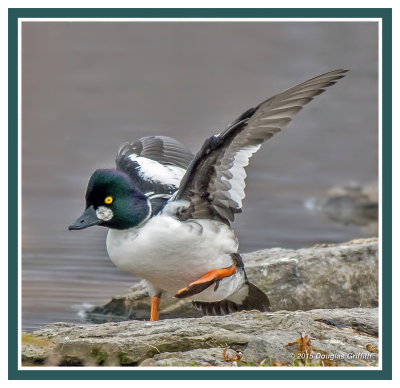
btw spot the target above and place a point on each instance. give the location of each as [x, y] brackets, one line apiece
[88, 87]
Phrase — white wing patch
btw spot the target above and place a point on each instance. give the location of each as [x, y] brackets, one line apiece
[156, 172]
[238, 172]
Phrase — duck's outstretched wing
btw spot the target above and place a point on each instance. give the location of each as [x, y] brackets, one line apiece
[215, 180]
[154, 163]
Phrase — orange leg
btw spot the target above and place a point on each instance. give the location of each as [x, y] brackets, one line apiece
[155, 304]
[206, 280]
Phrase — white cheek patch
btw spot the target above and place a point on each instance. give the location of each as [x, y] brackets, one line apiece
[104, 213]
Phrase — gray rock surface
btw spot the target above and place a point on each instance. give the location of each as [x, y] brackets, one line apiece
[339, 336]
[352, 204]
[324, 276]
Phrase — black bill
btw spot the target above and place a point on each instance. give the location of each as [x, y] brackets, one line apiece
[88, 218]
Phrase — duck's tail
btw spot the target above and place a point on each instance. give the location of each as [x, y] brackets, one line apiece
[248, 297]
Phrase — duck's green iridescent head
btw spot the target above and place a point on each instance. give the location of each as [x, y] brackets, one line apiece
[112, 201]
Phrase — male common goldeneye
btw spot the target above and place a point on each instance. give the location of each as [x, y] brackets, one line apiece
[169, 212]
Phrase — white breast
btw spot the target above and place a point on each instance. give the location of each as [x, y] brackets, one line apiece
[169, 253]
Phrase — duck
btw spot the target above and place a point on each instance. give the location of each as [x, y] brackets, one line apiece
[169, 213]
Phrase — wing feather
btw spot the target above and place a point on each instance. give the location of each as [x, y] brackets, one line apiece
[161, 149]
[154, 163]
[214, 182]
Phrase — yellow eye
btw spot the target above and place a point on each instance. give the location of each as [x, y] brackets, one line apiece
[108, 200]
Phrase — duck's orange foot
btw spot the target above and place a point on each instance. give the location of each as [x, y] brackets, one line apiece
[155, 305]
[205, 281]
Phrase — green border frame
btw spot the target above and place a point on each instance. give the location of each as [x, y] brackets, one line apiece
[385, 14]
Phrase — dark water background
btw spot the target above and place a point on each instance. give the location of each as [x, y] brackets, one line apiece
[88, 87]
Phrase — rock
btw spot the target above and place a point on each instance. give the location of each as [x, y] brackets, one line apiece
[197, 357]
[270, 346]
[324, 276]
[241, 339]
[352, 204]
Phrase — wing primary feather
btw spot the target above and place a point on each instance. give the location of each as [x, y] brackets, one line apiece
[215, 179]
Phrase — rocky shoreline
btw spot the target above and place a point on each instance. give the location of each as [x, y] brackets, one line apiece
[324, 276]
[324, 299]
